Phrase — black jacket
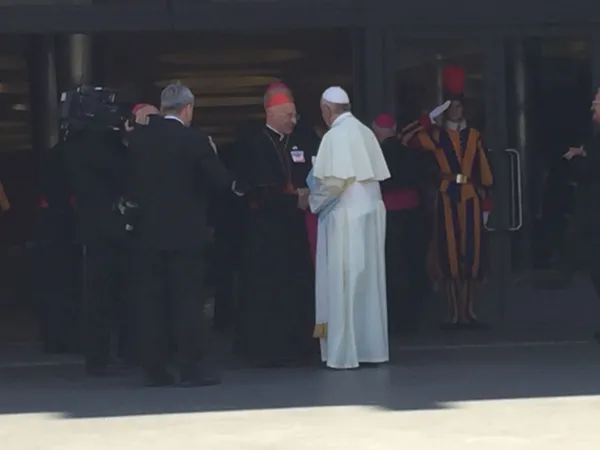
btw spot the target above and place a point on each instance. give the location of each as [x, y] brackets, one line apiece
[174, 170]
[258, 164]
[97, 166]
[409, 168]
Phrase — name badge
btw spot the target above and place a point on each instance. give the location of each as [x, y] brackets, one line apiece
[298, 156]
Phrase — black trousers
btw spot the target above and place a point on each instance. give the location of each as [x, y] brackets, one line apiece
[170, 308]
[406, 272]
[104, 297]
[227, 258]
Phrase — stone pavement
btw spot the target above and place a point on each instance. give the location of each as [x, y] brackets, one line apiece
[542, 397]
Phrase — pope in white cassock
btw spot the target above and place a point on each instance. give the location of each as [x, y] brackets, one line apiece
[351, 313]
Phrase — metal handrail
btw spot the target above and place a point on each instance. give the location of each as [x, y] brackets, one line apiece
[517, 191]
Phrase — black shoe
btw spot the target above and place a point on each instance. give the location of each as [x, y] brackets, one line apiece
[159, 379]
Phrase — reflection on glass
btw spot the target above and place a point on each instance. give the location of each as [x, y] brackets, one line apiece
[230, 72]
[555, 102]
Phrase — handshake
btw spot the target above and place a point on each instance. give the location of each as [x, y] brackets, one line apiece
[303, 198]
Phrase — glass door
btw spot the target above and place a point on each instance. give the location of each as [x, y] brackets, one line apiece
[548, 90]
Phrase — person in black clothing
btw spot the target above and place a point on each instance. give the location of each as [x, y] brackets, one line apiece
[174, 167]
[406, 238]
[142, 115]
[585, 161]
[277, 290]
[97, 166]
[228, 215]
[57, 258]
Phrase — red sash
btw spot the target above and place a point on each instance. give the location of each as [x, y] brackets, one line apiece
[311, 230]
[400, 199]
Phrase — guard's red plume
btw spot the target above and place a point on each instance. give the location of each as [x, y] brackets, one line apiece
[454, 79]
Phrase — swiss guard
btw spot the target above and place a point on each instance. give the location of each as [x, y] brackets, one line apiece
[461, 201]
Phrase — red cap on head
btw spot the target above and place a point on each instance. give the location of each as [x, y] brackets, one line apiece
[454, 79]
[277, 85]
[385, 121]
[139, 106]
[279, 99]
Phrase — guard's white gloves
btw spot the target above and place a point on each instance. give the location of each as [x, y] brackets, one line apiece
[439, 110]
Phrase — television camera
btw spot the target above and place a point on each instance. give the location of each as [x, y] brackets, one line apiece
[93, 117]
[93, 107]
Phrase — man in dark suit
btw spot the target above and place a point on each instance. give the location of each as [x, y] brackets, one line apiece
[174, 168]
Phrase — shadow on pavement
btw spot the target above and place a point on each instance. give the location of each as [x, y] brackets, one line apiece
[419, 380]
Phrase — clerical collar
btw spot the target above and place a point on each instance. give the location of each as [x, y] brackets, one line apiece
[175, 118]
[456, 126]
[281, 136]
[339, 118]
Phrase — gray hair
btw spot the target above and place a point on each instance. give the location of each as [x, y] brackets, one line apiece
[175, 97]
[339, 108]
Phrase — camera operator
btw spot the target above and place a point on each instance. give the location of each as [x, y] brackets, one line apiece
[96, 164]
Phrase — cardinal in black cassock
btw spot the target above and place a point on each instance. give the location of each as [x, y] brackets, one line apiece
[406, 238]
[276, 310]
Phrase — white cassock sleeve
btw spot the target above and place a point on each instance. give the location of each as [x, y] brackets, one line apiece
[323, 192]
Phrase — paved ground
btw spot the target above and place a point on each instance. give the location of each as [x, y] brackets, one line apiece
[527, 397]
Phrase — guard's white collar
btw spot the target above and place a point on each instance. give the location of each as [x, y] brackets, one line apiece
[456, 126]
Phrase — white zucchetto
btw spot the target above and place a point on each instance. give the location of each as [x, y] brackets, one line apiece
[337, 95]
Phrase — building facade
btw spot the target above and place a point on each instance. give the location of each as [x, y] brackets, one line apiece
[532, 67]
